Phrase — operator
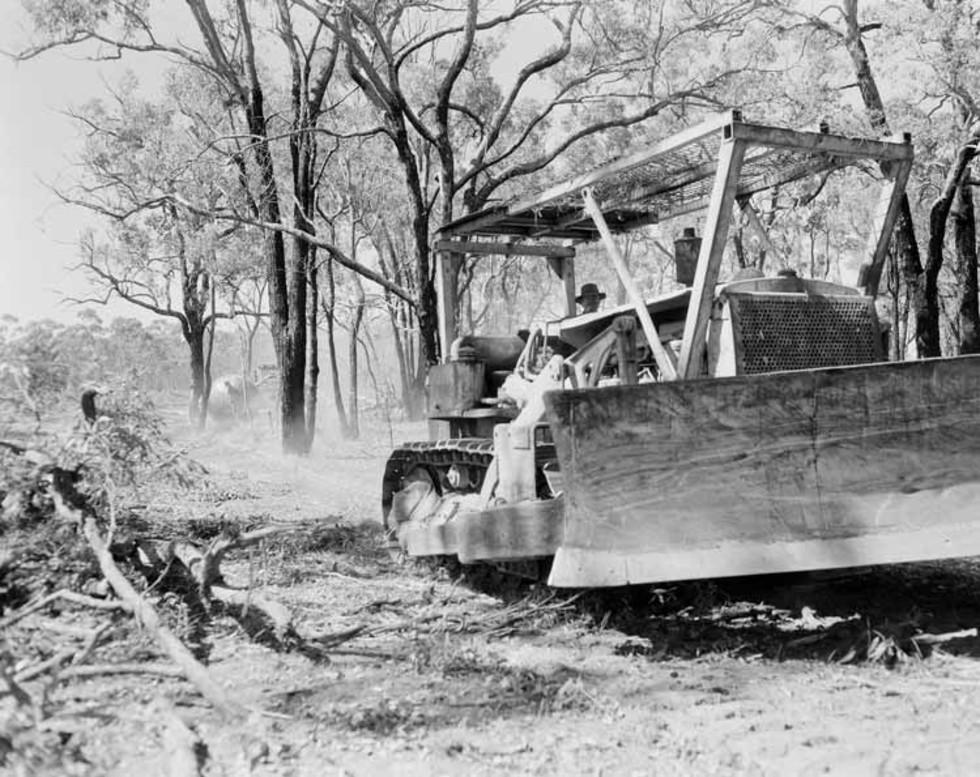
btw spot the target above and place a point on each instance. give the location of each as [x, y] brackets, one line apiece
[590, 298]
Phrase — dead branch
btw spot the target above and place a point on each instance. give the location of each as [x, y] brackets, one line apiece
[204, 568]
[13, 447]
[205, 565]
[54, 662]
[65, 500]
[90, 644]
[494, 622]
[21, 696]
[7, 559]
[35, 457]
[65, 595]
[211, 560]
[334, 638]
[277, 615]
[49, 624]
[147, 615]
[937, 639]
[367, 653]
[375, 605]
[58, 660]
[99, 670]
[809, 639]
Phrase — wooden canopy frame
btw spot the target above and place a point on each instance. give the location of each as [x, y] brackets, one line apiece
[711, 167]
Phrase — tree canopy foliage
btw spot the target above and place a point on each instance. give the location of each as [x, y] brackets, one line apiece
[45, 365]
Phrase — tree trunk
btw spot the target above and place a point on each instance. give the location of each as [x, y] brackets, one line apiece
[329, 306]
[965, 237]
[400, 314]
[894, 281]
[927, 313]
[303, 152]
[353, 412]
[411, 388]
[312, 351]
[427, 304]
[904, 236]
[867, 85]
[294, 389]
[910, 263]
[396, 337]
[206, 395]
[194, 337]
[738, 243]
[370, 357]
[247, 331]
[282, 315]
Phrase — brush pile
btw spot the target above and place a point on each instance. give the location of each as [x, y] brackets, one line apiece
[90, 587]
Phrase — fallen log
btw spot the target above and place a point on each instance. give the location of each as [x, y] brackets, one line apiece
[68, 505]
[205, 565]
[278, 616]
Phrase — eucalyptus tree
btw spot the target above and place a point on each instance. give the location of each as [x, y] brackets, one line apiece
[926, 54]
[243, 49]
[946, 45]
[470, 115]
[365, 213]
[137, 165]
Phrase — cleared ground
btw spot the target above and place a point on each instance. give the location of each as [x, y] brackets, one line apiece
[434, 670]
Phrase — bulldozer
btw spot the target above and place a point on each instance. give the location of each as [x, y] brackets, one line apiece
[735, 426]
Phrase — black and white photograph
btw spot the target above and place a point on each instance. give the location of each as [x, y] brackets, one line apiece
[431, 388]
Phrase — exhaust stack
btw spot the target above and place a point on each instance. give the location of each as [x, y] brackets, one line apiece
[686, 250]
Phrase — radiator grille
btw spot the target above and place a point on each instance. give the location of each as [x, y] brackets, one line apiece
[795, 331]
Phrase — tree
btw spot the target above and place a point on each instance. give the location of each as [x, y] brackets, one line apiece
[226, 52]
[952, 39]
[848, 32]
[247, 303]
[460, 139]
[136, 168]
[361, 195]
[34, 370]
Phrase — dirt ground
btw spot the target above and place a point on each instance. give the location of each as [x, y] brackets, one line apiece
[429, 670]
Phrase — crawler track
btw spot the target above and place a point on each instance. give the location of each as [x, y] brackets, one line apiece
[473, 453]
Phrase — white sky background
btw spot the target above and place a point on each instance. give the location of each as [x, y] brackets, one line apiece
[38, 233]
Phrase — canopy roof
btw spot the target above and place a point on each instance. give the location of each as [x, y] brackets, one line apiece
[674, 177]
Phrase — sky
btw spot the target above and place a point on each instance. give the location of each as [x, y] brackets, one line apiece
[35, 141]
[38, 233]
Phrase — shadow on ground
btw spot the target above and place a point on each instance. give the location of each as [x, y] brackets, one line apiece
[886, 614]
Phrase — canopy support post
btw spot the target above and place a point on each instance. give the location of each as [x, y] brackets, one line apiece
[663, 358]
[716, 223]
[883, 224]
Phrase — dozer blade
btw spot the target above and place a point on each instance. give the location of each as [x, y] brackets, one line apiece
[782, 472]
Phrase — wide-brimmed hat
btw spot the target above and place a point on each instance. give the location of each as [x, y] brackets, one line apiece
[590, 290]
